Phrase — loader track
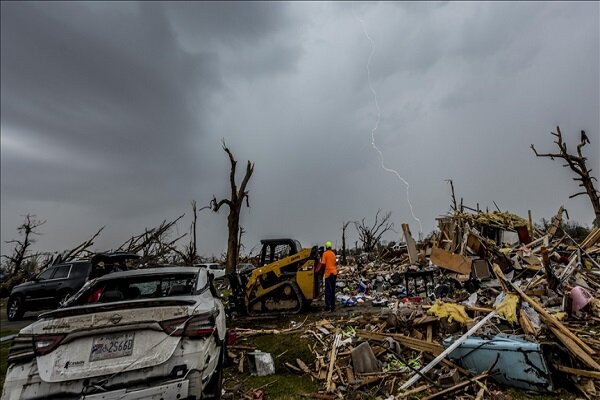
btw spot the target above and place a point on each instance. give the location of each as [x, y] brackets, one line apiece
[286, 298]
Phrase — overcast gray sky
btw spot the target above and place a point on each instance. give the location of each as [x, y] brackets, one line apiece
[113, 113]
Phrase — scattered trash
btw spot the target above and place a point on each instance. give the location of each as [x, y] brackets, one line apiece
[260, 363]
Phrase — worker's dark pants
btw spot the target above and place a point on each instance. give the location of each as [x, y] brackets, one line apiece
[330, 293]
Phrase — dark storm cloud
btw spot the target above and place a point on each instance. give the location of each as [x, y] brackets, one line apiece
[235, 24]
[113, 113]
[112, 87]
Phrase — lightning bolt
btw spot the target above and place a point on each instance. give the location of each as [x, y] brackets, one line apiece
[378, 119]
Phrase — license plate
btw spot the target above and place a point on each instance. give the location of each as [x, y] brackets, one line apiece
[112, 346]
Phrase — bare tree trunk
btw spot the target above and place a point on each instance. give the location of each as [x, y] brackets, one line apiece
[454, 205]
[27, 230]
[344, 226]
[577, 163]
[190, 257]
[235, 203]
[370, 236]
[194, 239]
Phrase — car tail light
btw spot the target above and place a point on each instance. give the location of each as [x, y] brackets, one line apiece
[196, 326]
[44, 344]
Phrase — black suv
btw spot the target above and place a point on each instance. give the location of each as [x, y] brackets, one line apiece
[56, 283]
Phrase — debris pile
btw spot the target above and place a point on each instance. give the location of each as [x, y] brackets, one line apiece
[488, 303]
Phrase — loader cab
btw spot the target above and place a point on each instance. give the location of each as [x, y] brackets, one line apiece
[277, 249]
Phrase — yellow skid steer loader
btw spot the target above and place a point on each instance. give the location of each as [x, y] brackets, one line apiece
[284, 283]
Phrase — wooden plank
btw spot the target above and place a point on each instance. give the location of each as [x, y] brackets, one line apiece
[575, 349]
[413, 343]
[410, 244]
[456, 387]
[411, 392]
[578, 372]
[526, 324]
[330, 385]
[430, 333]
[556, 220]
[549, 318]
[292, 367]
[449, 350]
[453, 262]
[303, 366]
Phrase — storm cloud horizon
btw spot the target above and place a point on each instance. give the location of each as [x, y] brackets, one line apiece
[113, 113]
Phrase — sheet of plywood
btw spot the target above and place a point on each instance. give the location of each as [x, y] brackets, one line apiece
[451, 261]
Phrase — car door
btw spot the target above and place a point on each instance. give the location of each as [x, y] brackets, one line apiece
[57, 284]
[36, 296]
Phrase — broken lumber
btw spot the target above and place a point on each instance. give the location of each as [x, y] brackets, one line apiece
[549, 318]
[332, 357]
[449, 350]
[410, 244]
[453, 262]
[458, 386]
[574, 344]
[575, 349]
[410, 392]
[578, 372]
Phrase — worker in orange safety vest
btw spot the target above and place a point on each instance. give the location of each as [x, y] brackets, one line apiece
[328, 259]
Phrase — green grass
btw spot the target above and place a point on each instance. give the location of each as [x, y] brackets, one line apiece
[285, 384]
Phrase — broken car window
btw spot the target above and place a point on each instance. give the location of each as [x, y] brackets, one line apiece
[138, 287]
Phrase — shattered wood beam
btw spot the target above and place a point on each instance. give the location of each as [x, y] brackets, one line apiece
[575, 349]
[458, 386]
[451, 261]
[422, 346]
[445, 353]
[574, 344]
[410, 243]
[410, 392]
[332, 357]
[578, 372]
[556, 221]
[413, 343]
[589, 241]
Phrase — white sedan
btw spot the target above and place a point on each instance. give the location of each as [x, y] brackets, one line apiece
[216, 270]
[145, 334]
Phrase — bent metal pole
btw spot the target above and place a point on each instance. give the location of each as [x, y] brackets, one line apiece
[449, 350]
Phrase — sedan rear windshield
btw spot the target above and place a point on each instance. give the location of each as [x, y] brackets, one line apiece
[137, 287]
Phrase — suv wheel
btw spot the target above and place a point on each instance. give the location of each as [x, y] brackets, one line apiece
[14, 308]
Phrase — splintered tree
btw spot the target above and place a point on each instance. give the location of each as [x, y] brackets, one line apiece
[155, 245]
[77, 251]
[577, 163]
[21, 251]
[344, 227]
[190, 254]
[370, 235]
[235, 203]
